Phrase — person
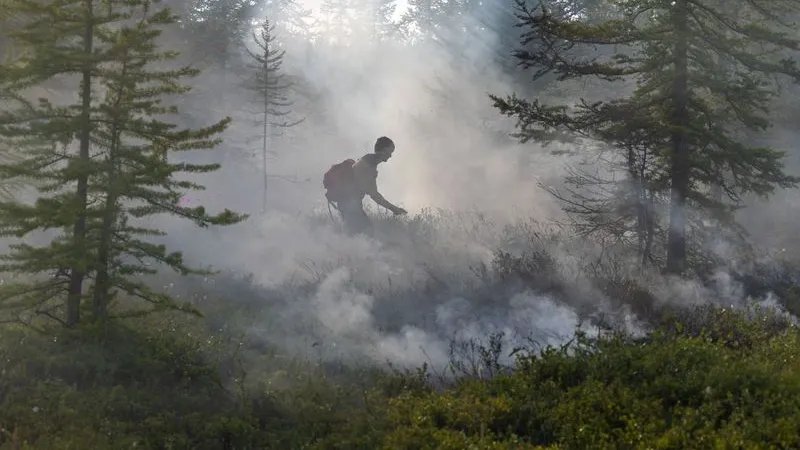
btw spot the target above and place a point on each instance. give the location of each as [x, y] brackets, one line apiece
[365, 176]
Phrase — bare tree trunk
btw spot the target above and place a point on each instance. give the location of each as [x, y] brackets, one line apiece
[78, 270]
[638, 187]
[267, 37]
[645, 225]
[650, 225]
[264, 164]
[725, 64]
[102, 285]
[680, 163]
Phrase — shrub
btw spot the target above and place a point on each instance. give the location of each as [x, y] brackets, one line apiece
[670, 390]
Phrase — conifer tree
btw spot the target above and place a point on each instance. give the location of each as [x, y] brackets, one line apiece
[137, 179]
[218, 29]
[691, 113]
[271, 88]
[8, 53]
[121, 170]
[59, 38]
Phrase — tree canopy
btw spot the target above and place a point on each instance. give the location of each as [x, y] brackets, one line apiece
[703, 76]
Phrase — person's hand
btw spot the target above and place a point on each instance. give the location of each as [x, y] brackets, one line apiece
[398, 211]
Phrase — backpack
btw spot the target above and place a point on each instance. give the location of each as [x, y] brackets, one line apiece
[339, 181]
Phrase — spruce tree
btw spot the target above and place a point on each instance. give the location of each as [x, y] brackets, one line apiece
[703, 76]
[218, 29]
[59, 38]
[137, 179]
[272, 88]
[8, 97]
[121, 170]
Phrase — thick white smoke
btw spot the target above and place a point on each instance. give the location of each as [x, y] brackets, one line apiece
[406, 293]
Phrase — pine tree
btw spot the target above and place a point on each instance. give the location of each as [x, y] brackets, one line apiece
[217, 30]
[8, 54]
[59, 38]
[137, 179]
[272, 90]
[121, 170]
[690, 112]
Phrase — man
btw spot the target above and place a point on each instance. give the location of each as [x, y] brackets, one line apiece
[365, 176]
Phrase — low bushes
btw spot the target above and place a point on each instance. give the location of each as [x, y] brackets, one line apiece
[709, 379]
[669, 390]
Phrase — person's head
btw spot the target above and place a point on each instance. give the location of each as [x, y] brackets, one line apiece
[384, 147]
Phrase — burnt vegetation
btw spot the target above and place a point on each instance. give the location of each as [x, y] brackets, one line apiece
[111, 339]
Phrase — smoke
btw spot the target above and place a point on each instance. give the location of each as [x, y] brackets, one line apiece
[771, 221]
[348, 318]
[341, 322]
[405, 294]
[453, 149]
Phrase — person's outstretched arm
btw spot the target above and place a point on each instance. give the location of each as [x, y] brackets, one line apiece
[367, 178]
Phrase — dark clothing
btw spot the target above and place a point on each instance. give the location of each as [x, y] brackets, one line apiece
[352, 209]
[370, 158]
[354, 217]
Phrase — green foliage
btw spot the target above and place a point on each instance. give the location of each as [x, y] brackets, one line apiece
[10, 51]
[141, 175]
[271, 87]
[60, 40]
[111, 390]
[705, 379]
[709, 378]
[123, 171]
[217, 30]
[666, 391]
[703, 84]
[268, 81]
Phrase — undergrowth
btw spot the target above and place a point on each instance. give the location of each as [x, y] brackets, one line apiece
[715, 378]
[697, 374]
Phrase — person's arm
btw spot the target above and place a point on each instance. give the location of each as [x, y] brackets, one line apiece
[367, 178]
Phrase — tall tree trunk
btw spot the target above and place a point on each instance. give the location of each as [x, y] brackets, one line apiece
[650, 229]
[78, 271]
[645, 225]
[264, 157]
[680, 161]
[266, 121]
[722, 61]
[640, 192]
[725, 64]
[102, 285]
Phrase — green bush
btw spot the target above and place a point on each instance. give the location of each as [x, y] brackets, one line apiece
[711, 379]
[666, 391]
[80, 390]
